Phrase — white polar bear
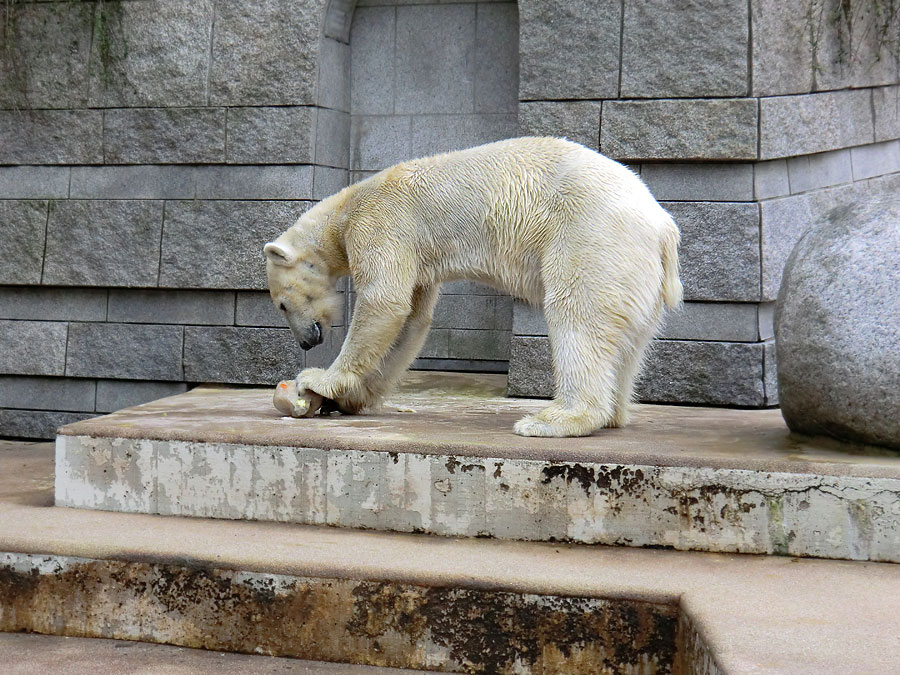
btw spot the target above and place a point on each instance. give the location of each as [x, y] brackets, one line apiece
[544, 219]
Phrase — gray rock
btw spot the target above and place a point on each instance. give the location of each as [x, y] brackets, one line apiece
[704, 52]
[164, 136]
[254, 182]
[379, 141]
[838, 327]
[47, 393]
[886, 104]
[171, 306]
[114, 395]
[51, 137]
[151, 53]
[718, 129]
[103, 243]
[578, 121]
[497, 58]
[809, 123]
[34, 182]
[270, 135]
[265, 52]
[38, 424]
[432, 134]
[530, 367]
[125, 351]
[257, 310]
[32, 347]
[133, 182]
[332, 138]
[770, 179]
[334, 74]
[241, 355]
[719, 182]
[56, 304]
[782, 47]
[875, 159]
[783, 222]
[22, 231]
[569, 50]
[811, 172]
[372, 62]
[487, 345]
[199, 252]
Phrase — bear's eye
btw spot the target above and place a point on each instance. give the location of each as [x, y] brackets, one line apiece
[282, 307]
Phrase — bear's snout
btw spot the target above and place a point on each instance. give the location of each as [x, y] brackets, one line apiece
[311, 337]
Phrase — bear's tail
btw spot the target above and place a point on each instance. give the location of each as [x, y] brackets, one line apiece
[671, 288]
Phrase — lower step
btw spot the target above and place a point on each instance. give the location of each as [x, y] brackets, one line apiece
[348, 621]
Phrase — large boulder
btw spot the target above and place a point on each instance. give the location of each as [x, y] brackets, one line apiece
[837, 326]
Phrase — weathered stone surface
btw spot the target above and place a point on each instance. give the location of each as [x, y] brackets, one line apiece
[578, 121]
[781, 51]
[103, 243]
[876, 159]
[133, 182]
[802, 125]
[125, 351]
[378, 141]
[171, 306]
[700, 182]
[241, 355]
[719, 251]
[47, 393]
[886, 104]
[264, 53]
[32, 347]
[44, 62]
[488, 345]
[432, 134]
[770, 179]
[838, 327]
[114, 395]
[39, 424]
[51, 136]
[811, 172]
[334, 74]
[530, 367]
[254, 182]
[164, 136]
[569, 50]
[34, 182]
[328, 181]
[57, 304]
[703, 53]
[783, 221]
[256, 309]
[22, 231]
[476, 312]
[718, 129]
[497, 58]
[332, 138]
[372, 65]
[232, 256]
[152, 53]
[270, 135]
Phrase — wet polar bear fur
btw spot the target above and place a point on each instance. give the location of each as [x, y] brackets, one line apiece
[546, 220]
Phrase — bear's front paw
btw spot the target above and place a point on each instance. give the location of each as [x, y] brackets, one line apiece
[311, 378]
[345, 389]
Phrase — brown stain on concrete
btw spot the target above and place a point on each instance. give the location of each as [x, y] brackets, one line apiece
[373, 623]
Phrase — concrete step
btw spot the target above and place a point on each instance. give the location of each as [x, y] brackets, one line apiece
[441, 459]
[32, 654]
[435, 603]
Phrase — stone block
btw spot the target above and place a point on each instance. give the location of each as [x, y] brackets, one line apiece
[569, 50]
[372, 64]
[114, 395]
[164, 136]
[270, 135]
[334, 74]
[254, 182]
[324, 354]
[56, 304]
[578, 121]
[497, 58]
[197, 252]
[811, 172]
[783, 222]
[781, 52]
[328, 181]
[437, 344]
[37, 424]
[45, 60]
[133, 182]
[875, 160]
[125, 351]
[704, 52]
[432, 134]
[332, 138]
[264, 53]
[810, 123]
[241, 355]
[435, 59]
[23, 226]
[770, 179]
[464, 287]
[719, 251]
[485, 312]
[152, 53]
[34, 182]
[886, 104]
[47, 393]
[679, 129]
[205, 308]
[32, 347]
[718, 182]
[770, 372]
[103, 243]
[487, 345]
[377, 142]
[51, 137]
[530, 367]
[256, 309]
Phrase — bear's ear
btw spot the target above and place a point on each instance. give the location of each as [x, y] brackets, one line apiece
[280, 254]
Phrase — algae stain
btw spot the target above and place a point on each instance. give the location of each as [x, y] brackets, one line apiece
[777, 535]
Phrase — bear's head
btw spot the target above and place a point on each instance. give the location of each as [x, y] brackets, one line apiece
[302, 288]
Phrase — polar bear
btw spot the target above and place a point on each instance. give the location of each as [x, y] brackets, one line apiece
[544, 219]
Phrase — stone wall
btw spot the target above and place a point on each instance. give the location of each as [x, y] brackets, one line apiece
[149, 147]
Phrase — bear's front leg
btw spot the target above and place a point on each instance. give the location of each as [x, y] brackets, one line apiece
[346, 389]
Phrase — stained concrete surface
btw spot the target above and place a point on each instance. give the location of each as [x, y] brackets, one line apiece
[755, 614]
[31, 654]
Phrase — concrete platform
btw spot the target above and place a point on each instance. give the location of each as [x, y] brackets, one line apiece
[227, 585]
[441, 459]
